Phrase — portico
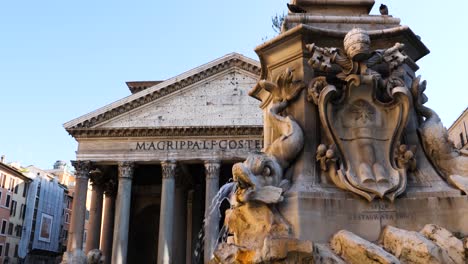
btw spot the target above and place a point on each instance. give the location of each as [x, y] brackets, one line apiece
[162, 155]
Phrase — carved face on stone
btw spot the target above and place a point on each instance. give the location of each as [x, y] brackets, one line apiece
[257, 170]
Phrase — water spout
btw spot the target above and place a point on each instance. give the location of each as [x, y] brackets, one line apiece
[225, 193]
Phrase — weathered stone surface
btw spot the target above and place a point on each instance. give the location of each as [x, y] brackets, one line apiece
[413, 247]
[278, 248]
[446, 240]
[268, 195]
[324, 255]
[356, 250]
[225, 252]
[75, 257]
[465, 245]
[95, 257]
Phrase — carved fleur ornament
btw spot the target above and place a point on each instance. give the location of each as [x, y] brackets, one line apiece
[363, 115]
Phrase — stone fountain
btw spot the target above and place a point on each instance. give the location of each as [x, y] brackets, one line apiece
[355, 168]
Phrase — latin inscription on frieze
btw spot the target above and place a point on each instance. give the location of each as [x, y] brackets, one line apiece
[380, 211]
[167, 145]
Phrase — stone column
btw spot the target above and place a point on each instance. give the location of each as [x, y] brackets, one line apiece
[95, 213]
[189, 251]
[122, 213]
[76, 231]
[211, 214]
[108, 220]
[165, 251]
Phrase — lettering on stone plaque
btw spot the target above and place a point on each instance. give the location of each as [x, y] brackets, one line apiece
[377, 216]
[225, 144]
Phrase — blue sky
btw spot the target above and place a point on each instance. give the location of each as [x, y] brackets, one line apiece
[62, 59]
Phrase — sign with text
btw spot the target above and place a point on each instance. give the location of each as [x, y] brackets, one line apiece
[224, 144]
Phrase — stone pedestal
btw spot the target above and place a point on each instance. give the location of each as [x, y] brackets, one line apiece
[122, 213]
[316, 216]
[166, 219]
[211, 217]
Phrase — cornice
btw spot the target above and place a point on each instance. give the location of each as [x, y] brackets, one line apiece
[167, 132]
[459, 118]
[163, 89]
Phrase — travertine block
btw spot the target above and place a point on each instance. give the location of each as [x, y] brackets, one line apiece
[324, 255]
[356, 250]
[412, 247]
[446, 240]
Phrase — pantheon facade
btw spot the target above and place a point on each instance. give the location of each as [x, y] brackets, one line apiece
[157, 158]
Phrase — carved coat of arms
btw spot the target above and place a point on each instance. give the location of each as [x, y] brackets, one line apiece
[363, 118]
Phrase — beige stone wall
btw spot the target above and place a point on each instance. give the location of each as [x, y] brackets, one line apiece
[458, 132]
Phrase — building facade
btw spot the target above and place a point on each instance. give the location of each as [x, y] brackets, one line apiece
[13, 191]
[43, 223]
[156, 160]
[458, 131]
[63, 172]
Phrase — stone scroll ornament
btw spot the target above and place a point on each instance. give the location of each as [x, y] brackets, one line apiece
[363, 115]
[258, 233]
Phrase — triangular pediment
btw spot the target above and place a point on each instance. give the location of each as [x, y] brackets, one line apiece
[218, 101]
[212, 95]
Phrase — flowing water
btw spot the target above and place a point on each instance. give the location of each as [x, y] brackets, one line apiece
[224, 194]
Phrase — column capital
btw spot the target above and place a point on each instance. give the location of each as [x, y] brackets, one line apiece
[82, 168]
[126, 169]
[212, 168]
[96, 177]
[110, 187]
[168, 169]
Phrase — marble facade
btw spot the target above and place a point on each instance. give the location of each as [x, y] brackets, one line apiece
[157, 158]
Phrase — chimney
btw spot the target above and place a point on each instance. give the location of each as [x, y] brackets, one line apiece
[2, 159]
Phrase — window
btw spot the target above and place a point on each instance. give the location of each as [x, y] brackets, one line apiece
[11, 184]
[16, 251]
[25, 189]
[10, 229]
[7, 200]
[0, 196]
[7, 249]
[13, 208]
[1, 250]
[4, 181]
[67, 217]
[18, 230]
[17, 187]
[4, 225]
[22, 211]
[462, 140]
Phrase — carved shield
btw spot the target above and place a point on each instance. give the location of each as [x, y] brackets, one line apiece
[366, 130]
